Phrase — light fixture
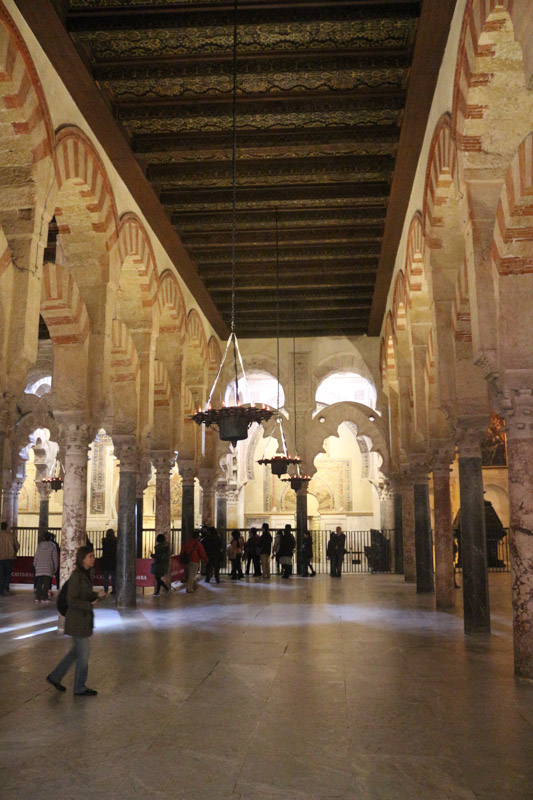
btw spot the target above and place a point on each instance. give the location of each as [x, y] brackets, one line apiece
[322, 419]
[298, 480]
[55, 482]
[232, 422]
[279, 464]
[372, 418]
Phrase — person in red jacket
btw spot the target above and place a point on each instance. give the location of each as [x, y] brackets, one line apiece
[191, 554]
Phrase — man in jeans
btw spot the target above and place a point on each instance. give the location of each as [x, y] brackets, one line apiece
[8, 550]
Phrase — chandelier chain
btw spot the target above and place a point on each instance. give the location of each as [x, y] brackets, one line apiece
[234, 166]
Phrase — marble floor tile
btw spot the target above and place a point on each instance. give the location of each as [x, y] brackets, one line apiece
[325, 690]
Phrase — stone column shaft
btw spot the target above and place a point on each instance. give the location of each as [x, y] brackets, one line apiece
[398, 534]
[423, 539]
[301, 524]
[126, 452]
[2, 451]
[139, 514]
[520, 458]
[207, 483]
[408, 529]
[473, 540]
[74, 518]
[445, 590]
[187, 473]
[163, 465]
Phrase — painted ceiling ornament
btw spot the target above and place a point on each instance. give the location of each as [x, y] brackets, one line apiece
[232, 422]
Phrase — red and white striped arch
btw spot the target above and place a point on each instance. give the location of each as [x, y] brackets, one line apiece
[79, 163]
[196, 334]
[162, 391]
[124, 359]
[414, 257]
[512, 249]
[188, 403]
[461, 320]
[134, 246]
[22, 98]
[171, 305]
[214, 354]
[62, 307]
[400, 302]
[441, 173]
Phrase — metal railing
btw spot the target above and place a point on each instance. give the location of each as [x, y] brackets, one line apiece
[498, 554]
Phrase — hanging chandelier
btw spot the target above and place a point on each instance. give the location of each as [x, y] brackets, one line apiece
[55, 482]
[298, 480]
[232, 422]
[279, 464]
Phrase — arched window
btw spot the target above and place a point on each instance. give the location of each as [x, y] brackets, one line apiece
[344, 387]
[39, 387]
[263, 388]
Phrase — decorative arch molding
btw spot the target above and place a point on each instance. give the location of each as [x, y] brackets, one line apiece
[475, 21]
[388, 351]
[134, 244]
[338, 413]
[400, 303]
[512, 250]
[214, 354]
[441, 173]
[22, 90]
[62, 307]
[196, 334]
[341, 362]
[188, 404]
[171, 305]
[78, 161]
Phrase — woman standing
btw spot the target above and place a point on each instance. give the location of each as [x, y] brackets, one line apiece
[161, 565]
[285, 552]
[79, 623]
[235, 549]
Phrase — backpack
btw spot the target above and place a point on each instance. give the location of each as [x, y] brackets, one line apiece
[185, 558]
[62, 602]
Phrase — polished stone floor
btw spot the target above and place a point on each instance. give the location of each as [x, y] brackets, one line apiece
[352, 689]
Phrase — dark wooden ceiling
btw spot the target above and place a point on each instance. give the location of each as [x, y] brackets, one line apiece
[322, 88]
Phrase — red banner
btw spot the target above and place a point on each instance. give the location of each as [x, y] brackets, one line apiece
[23, 571]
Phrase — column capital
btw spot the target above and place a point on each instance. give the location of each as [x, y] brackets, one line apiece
[419, 468]
[469, 433]
[44, 489]
[221, 488]
[187, 471]
[163, 460]
[442, 456]
[517, 410]
[74, 434]
[126, 452]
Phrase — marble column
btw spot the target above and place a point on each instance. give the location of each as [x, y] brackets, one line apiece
[139, 515]
[2, 451]
[207, 482]
[126, 452]
[445, 590]
[398, 534]
[221, 506]
[518, 411]
[423, 538]
[75, 445]
[187, 472]
[408, 530]
[144, 473]
[473, 538]
[44, 491]
[162, 461]
[301, 524]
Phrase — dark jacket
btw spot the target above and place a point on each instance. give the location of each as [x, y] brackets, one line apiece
[213, 547]
[79, 619]
[161, 556]
[109, 554]
[265, 543]
[336, 544]
[307, 547]
[287, 544]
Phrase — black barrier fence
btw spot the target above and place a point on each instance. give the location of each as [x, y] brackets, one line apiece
[367, 551]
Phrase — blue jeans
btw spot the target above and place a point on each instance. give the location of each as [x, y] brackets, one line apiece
[78, 653]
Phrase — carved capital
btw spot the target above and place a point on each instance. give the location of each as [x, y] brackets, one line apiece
[517, 410]
[442, 456]
[44, 490]
[221, 489]
[126, 452]
[469, 434]
[74, 435]
[163, 460]
[187, 471]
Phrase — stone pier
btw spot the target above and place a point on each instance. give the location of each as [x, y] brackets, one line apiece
[445, 590]
[423, 539]
[408, 529]
[187, 472]
[75, 441]
[126, 452]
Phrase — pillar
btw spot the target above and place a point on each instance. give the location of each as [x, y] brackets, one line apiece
[423, 538]
[139, 515]
[126, 452]
[518, 410]
[75, 441]
[408, 530]
[445, 589]
[232, 508]
[187, 472]
[143, 476]
[221, 506]
[301, 524]
[44, 490]
[207, 482]
[398, 534]
[162, 461]
[473, 538]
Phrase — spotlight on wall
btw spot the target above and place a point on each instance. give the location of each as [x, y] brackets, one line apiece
[372, 418]
[321, 419]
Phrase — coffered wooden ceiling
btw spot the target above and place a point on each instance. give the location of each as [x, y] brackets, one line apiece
[322, 89]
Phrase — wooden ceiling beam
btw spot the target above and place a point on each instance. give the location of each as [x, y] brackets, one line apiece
[207, 240]
[279, 193]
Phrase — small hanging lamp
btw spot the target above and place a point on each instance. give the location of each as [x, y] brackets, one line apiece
[279, 464]
[298, 480]
[232, 422]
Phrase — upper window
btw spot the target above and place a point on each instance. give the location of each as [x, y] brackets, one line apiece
[263, 388]
[346, 386]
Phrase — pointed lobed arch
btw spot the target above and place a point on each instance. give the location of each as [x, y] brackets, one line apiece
[125, 380]
[137, 274]
[162, 391]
